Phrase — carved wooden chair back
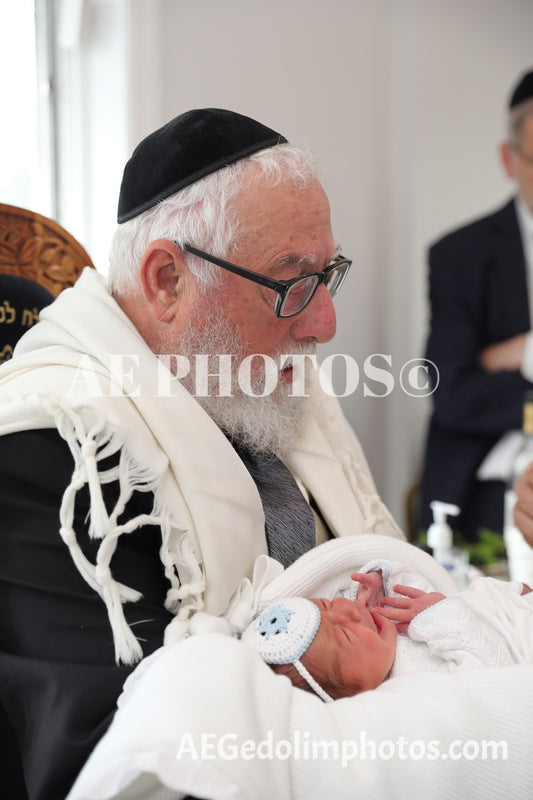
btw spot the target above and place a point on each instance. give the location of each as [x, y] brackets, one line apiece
[39, 249]
[41, 259]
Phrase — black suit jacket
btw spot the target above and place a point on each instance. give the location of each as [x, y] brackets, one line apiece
[478, 296]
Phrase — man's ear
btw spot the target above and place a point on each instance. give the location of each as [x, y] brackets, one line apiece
[163, 275]
[506, 156]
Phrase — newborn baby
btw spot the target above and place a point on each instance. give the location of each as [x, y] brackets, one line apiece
[338, 648]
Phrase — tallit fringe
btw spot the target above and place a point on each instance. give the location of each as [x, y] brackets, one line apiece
[179, 549]
[89, 445]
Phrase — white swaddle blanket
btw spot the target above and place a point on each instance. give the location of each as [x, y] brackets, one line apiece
[207, 717]
[488, 625]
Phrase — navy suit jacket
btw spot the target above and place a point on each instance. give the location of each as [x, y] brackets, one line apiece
[478, 296]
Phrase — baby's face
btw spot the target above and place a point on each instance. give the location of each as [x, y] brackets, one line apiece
[353, 649]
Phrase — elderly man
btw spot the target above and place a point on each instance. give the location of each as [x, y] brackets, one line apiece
[162, 431]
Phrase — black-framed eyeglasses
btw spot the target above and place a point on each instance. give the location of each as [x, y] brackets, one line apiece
[293, 295]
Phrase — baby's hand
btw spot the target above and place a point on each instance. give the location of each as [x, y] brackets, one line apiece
[371, 587]
[403, 609]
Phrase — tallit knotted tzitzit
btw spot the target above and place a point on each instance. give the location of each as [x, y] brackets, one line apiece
[282, 633]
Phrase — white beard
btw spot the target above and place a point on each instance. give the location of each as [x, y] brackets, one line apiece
[272, 423]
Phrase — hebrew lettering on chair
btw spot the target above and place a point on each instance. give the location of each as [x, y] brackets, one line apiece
[6, 353]
[9, 313]
[30, 316]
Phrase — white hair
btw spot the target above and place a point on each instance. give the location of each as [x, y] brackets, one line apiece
[517, 118]
[203, 214]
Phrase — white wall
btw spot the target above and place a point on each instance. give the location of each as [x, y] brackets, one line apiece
[402, 100]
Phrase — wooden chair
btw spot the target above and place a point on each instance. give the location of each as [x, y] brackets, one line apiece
[39, 249]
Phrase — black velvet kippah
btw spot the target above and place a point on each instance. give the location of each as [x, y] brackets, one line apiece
[523, 90]
[187, 148]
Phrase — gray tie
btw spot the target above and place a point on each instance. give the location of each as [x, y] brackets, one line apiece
[289, 522]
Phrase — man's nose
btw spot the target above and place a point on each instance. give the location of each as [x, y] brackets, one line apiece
[318, 320]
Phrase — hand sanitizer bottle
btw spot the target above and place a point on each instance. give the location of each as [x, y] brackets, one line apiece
[440, 540]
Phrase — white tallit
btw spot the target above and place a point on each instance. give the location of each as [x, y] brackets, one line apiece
[85, 370]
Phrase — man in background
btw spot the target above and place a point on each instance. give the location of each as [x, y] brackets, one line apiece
[481, 339]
